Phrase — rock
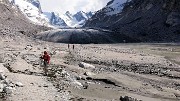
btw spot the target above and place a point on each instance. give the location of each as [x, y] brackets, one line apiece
[7, 82]
[173, 19]
[86, 65]
[64, 73]
[28, 47]
[19, 84]
[78, 77]
[1, 88]
[2, 77]
[127, 98]
[170, 64]
[3, 69]
[89, 74]
[78, 83]
[85, 85]
[9, 90]
[45, 86]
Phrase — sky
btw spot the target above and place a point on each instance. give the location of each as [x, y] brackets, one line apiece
[61, 6]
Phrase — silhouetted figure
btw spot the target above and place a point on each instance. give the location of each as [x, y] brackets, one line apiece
[68, 46]
[73, 47]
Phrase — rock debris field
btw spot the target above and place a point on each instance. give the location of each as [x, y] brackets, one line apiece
[89, 72]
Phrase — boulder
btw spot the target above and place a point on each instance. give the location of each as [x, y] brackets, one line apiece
[9, 90]
[3, 69]
[2, 76]
[19, 84]
[86, 65]
[127, 98]
[89, 74]
[77, 83]
[1, 87]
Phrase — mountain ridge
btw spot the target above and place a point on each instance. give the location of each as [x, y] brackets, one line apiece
[32, 10]
[13, 22]
[144, 20]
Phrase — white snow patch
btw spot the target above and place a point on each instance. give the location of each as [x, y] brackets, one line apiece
[115, 8]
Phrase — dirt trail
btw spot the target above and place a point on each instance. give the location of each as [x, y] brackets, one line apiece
[23, 64]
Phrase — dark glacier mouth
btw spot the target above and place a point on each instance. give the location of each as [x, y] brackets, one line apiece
[83, 36]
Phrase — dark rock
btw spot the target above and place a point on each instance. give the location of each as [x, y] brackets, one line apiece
[126, 98]
[142, 20]
[173, 19]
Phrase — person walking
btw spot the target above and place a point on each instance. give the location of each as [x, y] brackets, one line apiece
[73, 47]
[68, 46]
[46, 61]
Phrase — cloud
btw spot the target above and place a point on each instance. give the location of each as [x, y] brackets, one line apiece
[73, 6]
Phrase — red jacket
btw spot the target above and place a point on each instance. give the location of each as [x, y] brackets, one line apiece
[46, 57]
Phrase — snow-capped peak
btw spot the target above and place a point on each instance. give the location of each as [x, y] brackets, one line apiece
[55, 20]
[32, 10]
[76, 20]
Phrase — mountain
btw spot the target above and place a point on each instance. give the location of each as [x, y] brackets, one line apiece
[54, 19]
[32, 10]
[68, 19]
[82, 16]
[76, 20]
[36, 3]
[142, 20]
[14, 23]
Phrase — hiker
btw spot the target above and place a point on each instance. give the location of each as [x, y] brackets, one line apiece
[68, 46]
[46, 59]
[73, 47]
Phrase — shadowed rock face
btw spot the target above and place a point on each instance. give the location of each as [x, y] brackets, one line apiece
[83, 36]
[56, 20]
[36, 3]
[145, 20]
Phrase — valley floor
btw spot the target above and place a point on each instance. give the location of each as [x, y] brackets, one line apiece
[102, 72]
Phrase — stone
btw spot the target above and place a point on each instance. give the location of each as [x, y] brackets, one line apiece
[19, 84]
[85, 85]
[78, 83]
[86, 65]
[127, 98]
[78, 77]
[65, 73]
[1, 88]
[45, 86]
[170, 64]
[89, 74]
[9, 90]
[3, 69]
[2, 77]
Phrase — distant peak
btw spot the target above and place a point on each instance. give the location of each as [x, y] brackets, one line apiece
[81, 12]
[68, 12]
